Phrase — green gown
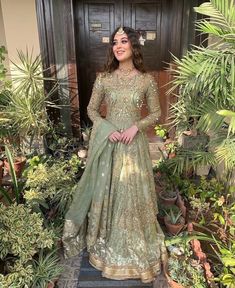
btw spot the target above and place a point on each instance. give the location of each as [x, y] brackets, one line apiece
[114, 208]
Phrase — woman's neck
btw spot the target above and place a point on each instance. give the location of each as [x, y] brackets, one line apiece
[126, 66]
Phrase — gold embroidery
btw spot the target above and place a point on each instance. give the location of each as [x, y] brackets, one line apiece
[125, 272]
[122, 234]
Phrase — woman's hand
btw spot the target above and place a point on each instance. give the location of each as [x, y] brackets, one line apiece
[115, 136]
[128, 135]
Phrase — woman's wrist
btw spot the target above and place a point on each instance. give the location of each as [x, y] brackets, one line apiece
[137, 129]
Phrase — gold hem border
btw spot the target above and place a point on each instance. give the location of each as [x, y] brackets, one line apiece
[125, 272]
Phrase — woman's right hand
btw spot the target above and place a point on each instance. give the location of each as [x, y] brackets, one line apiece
[115, 136]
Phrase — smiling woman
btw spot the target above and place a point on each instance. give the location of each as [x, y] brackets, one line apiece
[117, 190]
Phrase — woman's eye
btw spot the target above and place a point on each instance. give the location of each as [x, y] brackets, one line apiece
[114, 43]
[124, 41]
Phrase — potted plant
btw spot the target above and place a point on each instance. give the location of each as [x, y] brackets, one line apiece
[46, 269]
[204, 81]
[18, 160]
[24, 109]
[168, 194]
[161, 131]
[19, 249]
[170, 148]
[173, 220]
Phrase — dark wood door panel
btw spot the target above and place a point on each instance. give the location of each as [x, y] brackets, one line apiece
[94, 22]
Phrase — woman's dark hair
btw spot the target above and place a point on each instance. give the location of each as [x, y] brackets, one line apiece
[112, 63]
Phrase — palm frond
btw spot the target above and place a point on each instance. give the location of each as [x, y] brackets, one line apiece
[231, 116]
[226, 153]
[221, 13]
[186, 159]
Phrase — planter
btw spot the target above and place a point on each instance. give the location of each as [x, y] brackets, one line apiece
[174, 284]
[193, 142]
[197, 250]
[180, 204]
[160, 219]
[18, 165]
[203, 170]
[167, 201]
[171, 155]
[174, 229]
[51, 284]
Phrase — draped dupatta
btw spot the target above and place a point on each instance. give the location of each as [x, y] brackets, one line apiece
[91, 187]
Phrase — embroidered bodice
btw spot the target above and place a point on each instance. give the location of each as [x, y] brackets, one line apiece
[124, 98]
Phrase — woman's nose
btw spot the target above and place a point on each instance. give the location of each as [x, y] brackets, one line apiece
[119, 44]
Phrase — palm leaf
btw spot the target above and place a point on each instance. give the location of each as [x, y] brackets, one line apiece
[16, 189]
[231, 116]
[222, 13]
[226, 153]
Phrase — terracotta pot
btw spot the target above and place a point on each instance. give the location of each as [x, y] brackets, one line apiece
[1, 171]
[174, 284]
[174, 229]
[52, 284]
[197, 250]
[160, 219]
[171, 155]
[18, 165]
[167, 201]
[180, 204]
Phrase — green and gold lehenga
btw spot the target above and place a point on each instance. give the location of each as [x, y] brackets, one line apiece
[114, 208]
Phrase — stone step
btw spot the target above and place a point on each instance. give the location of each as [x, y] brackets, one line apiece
[91, 277]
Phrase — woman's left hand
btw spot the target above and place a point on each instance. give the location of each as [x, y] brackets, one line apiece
[128, 135]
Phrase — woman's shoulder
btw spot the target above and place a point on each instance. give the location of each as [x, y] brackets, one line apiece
[149, 77]
[102, 77]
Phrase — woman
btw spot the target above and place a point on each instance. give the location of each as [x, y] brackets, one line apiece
[117, 190]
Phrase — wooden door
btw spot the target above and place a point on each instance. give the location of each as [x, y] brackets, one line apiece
[158, 21]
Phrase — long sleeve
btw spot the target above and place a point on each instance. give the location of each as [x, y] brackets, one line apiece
[96, 99]
[152, 104]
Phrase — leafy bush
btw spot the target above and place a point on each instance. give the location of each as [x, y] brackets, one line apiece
[51, 182]
[22, 236]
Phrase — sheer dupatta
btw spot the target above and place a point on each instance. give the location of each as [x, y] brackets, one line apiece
[91, 187]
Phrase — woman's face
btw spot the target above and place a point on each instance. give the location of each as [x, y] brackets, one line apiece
[122, 47]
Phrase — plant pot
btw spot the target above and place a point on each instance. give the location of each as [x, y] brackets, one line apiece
[203, 170]
[174, 284]
[160, 219]
[174, 229]
[180, 204]
[1, 171]
[197, 250]
[171, 155]
[167, 201]
[193, 142]
[52, 284]
[18, 165]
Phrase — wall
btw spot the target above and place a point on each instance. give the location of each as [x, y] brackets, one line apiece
[20, 25]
